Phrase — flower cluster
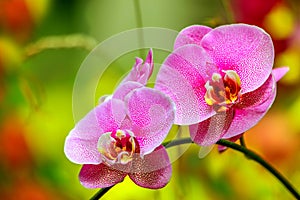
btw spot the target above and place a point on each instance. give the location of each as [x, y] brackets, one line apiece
[218, 81]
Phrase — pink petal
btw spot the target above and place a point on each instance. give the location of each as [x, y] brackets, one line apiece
[253, 107]
[278, 73]
[211, 130]
[244, 48]
[110, 115]
[149, 61]
[191, 35]
[100, 176]
[81, 143]
[82, 151]
[125, 88]
[182, 77]
[141, 72]
[153, 171]
[152, 115]
[104, 98]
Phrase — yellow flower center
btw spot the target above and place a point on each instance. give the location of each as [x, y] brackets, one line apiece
[118, 147]
[223, 91]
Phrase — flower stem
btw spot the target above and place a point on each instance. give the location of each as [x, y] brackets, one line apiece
[242, 141]
[100, 193]
[139, 23]
[177, 142]
[248, 153]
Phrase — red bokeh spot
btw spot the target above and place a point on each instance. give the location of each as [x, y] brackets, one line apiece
[15, 18]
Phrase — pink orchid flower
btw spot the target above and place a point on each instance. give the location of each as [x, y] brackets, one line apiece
[221, 80]
[123, 135]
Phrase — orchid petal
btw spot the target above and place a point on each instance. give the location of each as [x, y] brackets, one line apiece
[191, 35]
[182, 77]
[252, 108]
[244, 48]
[125, 88]
[211, 130]
[278, 73]
[153, 170]
[152, 115]
[110, 115]
[100, 176]
[81, 143]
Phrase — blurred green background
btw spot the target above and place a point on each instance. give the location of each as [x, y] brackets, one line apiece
[44, 42]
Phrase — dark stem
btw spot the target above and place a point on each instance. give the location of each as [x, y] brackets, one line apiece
[249, 153]
[139, 23]
[177, 142]
[100, 193]
[242, 141]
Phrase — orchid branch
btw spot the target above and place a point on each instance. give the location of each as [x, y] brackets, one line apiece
[248, 153]
[100, 193]
[242, 141]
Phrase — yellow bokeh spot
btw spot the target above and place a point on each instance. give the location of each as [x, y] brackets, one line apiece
[291, 59]
[280, 22]
[10, 53]
[293, 114]
[37, 8]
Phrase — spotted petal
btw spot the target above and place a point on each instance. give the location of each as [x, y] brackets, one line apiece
[211, 130]
[182, 77]
[110, 114]
[244, 48]
[191, 35]
[153, 170]
[81, 143]
[253, 107]
[152, 115]
[100, 176]
[124, 89]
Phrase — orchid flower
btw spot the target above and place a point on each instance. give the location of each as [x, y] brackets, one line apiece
[221, 80]
[123, 135]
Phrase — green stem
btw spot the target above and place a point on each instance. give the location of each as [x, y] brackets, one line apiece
[249, 153]
[139, 23]
[177, 142]
[242, 141]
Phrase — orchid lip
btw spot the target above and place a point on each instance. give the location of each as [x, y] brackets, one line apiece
[117, 147]
[223, 90]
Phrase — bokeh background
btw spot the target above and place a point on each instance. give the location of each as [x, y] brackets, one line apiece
[44, 42]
